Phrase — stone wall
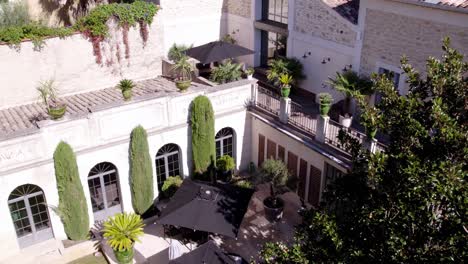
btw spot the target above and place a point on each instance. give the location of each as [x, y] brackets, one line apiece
[387, 36]
[238, 7]
[315, 18]
[72, 64]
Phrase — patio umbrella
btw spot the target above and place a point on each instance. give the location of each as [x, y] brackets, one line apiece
[208, 253]
[217, 51]
[215, 209]
[175, 249]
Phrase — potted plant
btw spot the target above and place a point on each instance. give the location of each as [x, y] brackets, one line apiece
[280, 66]
[170, 186]
[277, 175]
[225, 165]
[121, 232]
[176, 52]
[350, 84]
[325, 100]
[286, 81]
[226, 72]
[48, 94]
[126, 87]
[183, 69]
[249, 71]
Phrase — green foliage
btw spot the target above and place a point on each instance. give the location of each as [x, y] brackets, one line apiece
[48, 92]
[249, 71]
[286, 80]
[276, 173]
[407, 205]
[273, 253]
[244, 184]
[183, 69]
[141, 171]
[14, 14]
[203, 134]
[13, 35]
[285, 66]
[122, 231]
[127, 15]
[177, 52]
[351, 85]
[325, 98]
[170, 186]
[72, 206]
[226, 72]
[225, 163]
[126, 84]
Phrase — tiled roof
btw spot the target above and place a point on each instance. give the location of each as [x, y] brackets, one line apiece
[450, 3]
[348, 9]
[23, 119]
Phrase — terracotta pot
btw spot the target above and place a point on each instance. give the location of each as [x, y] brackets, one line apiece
[57, 112]
[273, 210]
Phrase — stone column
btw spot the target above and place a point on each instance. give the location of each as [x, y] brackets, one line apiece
[322, 128]
[285, 109]
[254, 93]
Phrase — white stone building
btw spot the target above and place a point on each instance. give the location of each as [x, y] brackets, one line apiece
[326, 35]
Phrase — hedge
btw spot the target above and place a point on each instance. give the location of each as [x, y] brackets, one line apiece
[73, 208]
[141, 171]
[203, 135]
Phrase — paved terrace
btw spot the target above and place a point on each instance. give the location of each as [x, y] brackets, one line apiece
[26, 119]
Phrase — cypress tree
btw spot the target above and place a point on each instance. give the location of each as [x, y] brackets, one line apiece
[141, 171]
[73, 208]
[203, 134]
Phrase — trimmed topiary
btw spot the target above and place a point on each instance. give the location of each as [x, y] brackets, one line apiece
[141, 171]
[73, 208]
[171, 185]
[203, 134]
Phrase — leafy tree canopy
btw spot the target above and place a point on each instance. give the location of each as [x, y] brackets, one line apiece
[409, 204]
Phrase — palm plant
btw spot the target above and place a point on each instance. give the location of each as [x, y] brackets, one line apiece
[183, 70]
[176, 52]
[126, 87]
[351, 85]
[280, 66]
[48, 94]
[121, 232]
[226, 72]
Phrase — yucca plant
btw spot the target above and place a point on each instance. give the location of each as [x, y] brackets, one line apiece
[285, 80]
[226, 72]
[177, 51]
[126, 87]
[183, 70]
[48, 94]
[121, 232]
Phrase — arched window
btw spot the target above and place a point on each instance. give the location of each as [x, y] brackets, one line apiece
[30, 216]
[224, 142]
[103, 183]
[167, 163]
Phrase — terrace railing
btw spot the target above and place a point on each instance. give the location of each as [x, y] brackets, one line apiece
[320, 128]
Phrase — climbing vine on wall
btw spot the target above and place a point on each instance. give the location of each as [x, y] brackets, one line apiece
[94, 26]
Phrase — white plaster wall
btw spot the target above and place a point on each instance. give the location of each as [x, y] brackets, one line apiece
[317, 74]
[244, 30]
[102, 136]
[190, 22]
[290, 143]
[71, 63]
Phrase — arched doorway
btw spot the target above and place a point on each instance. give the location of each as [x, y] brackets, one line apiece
[225, 142]
[103, 182]
[167, 163]
[28, 209]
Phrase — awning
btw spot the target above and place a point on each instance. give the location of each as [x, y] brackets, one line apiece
[217, 51]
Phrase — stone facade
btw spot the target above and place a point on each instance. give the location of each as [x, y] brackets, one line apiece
[315, 18]
[387, 36]
[238, 7]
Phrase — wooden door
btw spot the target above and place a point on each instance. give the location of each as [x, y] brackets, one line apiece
[261, 149]
[302, 178]
[314, 186]
[271, 149]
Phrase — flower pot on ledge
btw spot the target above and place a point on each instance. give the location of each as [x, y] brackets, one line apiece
[285, 92]
[57, 112]
[124, 257]
[183, 85]
[127, 94]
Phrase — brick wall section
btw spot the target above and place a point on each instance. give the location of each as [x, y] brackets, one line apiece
[237, 7]
[387, 36]
[317, 19]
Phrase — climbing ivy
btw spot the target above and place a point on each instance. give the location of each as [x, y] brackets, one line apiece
[13, 35]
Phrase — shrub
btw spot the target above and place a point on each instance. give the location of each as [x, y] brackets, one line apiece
[141, 171]
[226, 72]
[281, 66]
[13, 35]
[170, 186]
[73, 209]
[177, 52]
[123, 230]
[126, 84]
[277, 174]
[244, 184]
[203, 135]
[13, 14]
[225, 163]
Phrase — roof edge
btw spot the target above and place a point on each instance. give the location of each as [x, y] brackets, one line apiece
[435, 6]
